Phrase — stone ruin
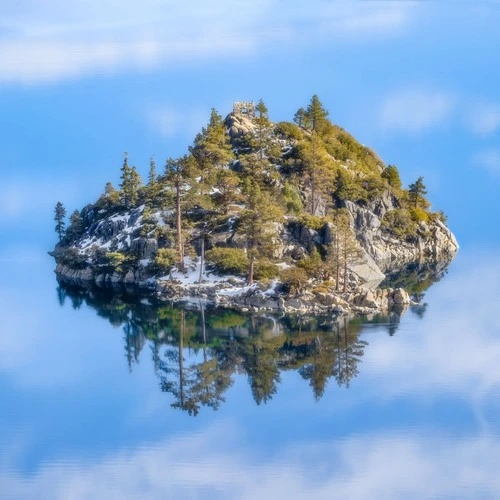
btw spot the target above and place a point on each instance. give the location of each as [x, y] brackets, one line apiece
[244, 108]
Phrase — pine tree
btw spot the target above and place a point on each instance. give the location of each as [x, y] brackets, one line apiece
[391, 174]
[256, 224]
[211, 148]
[344, 251]
[60, 215]
[317, 172]
[263, 126]
[136, 183]
[317, 115]
[179, 175]
[75, 228]
[153, 188]
[301, 118]
[417, 192]
[126, 185]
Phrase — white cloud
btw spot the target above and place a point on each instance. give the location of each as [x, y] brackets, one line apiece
[22, 197]
[54, 40]
[169, 121]
[484, 119]
[460, 349]
[214, 465]
[416, 109]
[489, 159]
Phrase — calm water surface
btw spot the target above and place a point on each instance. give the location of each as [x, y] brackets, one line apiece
[109, 398]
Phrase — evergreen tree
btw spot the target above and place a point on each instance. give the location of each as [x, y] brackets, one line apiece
[179, 175]
[126, 184]
[60, 215]
[153, 187]
[391, 174]
[256, 224]
[263, 127]
[417, 192]
[317, 173]
[211, 149]
[344, 251]
[317, 115]
[75, 228]
[135, 185]
[301, 118]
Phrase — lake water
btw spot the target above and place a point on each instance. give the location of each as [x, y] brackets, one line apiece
[109, 398]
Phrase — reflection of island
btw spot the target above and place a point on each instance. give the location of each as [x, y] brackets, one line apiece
[196, 351]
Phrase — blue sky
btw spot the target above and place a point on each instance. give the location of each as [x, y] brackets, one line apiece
[80, 83]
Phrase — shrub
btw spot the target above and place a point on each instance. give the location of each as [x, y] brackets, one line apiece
[288, 131]
[399, 223]
[391, 175]
[265, 270]
[419, 215]
[115, 259]
[228, 260]
[293, 279]
[312, 221]
[312, 264]
[439, 215]
[292, 199]
[165, 259]
[72, 258]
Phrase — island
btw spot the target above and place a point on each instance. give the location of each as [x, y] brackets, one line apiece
[291, 217]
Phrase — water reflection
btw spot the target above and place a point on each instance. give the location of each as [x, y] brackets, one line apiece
[197, 352]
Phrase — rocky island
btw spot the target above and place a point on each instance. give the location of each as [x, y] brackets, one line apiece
[290, 217]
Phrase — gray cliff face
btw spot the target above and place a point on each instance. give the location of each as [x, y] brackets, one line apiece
[434, 241]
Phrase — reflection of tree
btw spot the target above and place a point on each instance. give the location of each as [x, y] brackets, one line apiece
[261, 367]
[195, 385]
[349, 352]
[134, 342]
[197, 353]
[61, 295]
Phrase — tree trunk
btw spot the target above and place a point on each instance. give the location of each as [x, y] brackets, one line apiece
[345, 264]
[180, 246]
[251, 268]
[181, 362]
[204, 332]
[202, 258]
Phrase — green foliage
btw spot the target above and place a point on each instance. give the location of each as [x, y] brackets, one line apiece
[316, 115]
[287, 130]
[439, 215]
[228, 260]
[312, 264]
[76, 227]
[314, 222]
[292, 199]
[130, 185]
[399, 223]
[115, 260]
[225, 320]
[294, 279]
[345, 187]
[59, 216]
[345, 148]
[419, 215]
[391, 175]
[265, 270]
[417, 192]
[72, 258]
[165, 259]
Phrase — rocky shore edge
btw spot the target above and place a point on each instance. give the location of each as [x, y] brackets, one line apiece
[234, 293]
